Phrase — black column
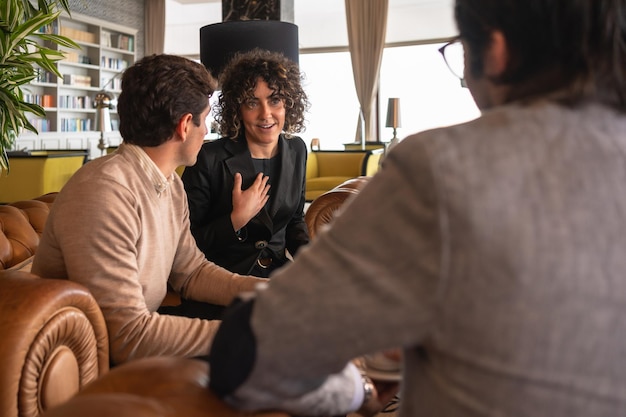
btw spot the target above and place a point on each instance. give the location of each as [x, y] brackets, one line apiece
[249, 24]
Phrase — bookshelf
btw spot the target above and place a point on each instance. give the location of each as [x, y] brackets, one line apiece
[106, 49]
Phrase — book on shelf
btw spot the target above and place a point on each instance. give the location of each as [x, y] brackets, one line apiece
[77, 58]
[47, 100]
[42, 125]
[75, 102]
[78, 35]
[125, 42]
[105, 39]
[77, 80]
[75, 125]
[71, 56]
[114, 83]
[44, 76]
[113, 63]
[43, 100]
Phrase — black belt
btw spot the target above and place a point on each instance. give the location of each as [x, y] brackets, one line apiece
[264, 262]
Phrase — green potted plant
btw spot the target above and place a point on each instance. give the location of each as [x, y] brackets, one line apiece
[25, 49]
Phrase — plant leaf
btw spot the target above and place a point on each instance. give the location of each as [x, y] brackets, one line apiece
[23, 53]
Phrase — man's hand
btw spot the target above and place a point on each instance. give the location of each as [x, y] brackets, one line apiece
[384, 392]
[246, 204]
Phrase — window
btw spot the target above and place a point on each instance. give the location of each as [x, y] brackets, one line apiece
[430, 96]
[334, 111]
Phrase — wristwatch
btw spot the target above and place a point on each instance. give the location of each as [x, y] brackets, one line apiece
[368, 388]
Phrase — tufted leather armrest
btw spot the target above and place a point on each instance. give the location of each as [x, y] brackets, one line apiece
[54, 341]
[18, 240]
[324, 208]
[21, 225]
[152, 387]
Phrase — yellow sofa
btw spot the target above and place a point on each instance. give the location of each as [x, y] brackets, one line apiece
[327, 169]
[34, 173]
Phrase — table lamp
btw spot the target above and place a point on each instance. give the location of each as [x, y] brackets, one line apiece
[103, 103]
[393, 117]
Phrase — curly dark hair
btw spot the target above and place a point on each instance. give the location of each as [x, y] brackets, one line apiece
[238, 81]
[577, 46]
[156, 92]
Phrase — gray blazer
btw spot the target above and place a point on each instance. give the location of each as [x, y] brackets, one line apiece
[494, 252]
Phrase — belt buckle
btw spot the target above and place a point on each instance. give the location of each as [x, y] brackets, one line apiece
[264, 262]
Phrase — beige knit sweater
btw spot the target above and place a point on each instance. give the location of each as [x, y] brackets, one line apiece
[121, 228]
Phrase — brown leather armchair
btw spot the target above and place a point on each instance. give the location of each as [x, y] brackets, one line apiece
[54, 349]
[54, 338]
[324, 208]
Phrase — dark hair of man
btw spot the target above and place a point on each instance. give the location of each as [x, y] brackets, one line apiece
[238, 81]
[156, 92]
[576, 47]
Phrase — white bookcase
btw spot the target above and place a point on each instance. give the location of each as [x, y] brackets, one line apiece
[106, 49]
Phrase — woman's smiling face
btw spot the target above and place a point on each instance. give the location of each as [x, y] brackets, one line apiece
[263, 115]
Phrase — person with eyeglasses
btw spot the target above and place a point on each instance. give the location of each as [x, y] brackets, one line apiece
[454, 57]
[491, 251]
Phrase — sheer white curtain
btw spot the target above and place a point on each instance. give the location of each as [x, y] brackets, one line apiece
[367, 25]
[154, 26]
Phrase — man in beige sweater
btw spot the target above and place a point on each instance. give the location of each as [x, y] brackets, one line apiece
[121, 224]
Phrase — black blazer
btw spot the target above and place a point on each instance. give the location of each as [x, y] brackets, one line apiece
[209, 184]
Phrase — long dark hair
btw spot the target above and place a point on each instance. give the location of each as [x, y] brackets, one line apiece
[574, 46]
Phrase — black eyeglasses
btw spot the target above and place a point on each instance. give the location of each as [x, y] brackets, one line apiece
[454, 57]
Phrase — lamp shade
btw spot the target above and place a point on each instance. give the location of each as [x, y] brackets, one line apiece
[393, 113]
[219, 42]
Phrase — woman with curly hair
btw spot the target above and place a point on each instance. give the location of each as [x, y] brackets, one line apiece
[246, 192]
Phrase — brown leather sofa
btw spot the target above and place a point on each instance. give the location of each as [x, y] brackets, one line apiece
[151, 387]
[54, 339]
[54, 351]
[21, 224]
